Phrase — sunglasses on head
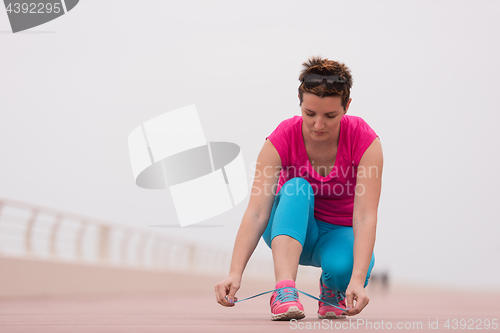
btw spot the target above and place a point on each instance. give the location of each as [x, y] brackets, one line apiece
[314, 80]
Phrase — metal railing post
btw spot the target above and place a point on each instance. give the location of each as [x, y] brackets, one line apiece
[53, 236]
[141, 250]
[79, 240]
[29, 230]
[124, 248]
[103, 243]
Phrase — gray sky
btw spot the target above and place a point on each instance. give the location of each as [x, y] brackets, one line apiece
[425, 75]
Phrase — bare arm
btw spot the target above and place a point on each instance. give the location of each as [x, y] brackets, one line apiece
[254, 221]
[366, 199]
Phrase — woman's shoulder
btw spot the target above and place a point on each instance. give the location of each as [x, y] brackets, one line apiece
[354, 121]
[358, 136]
[356, 125]
[288, 126]
[285, 138]
[290, 122]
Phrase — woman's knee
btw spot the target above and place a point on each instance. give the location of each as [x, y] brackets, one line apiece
[297, 187]
[336, 275]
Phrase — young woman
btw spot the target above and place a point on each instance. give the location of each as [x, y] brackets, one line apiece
[320, 208]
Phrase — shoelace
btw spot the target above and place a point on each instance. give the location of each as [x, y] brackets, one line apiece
[331, 296]
[270, 291]
[286, 294]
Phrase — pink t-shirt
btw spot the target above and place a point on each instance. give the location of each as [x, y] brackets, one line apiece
[333, 194]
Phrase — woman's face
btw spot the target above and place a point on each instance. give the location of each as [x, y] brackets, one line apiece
[321, 116]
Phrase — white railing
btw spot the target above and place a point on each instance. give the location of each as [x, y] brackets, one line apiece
[38, 232]
[32, 231]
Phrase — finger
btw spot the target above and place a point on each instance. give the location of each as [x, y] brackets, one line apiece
[352, 312]
[218, 298]
[227, 298]
[349, 298]
[226, 292]
[350, 308]
[221, 293]
[228, 303]
[231, 295]
[359, 306]
[356, 304]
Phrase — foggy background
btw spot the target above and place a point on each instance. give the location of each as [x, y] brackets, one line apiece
[425, 76]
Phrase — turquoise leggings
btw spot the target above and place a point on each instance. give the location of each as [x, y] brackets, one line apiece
[324, 244]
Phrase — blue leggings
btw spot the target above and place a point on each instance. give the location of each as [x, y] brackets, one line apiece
[324, 244]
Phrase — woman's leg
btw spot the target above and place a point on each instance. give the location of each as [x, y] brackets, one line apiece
[334, 253]
[292, 232]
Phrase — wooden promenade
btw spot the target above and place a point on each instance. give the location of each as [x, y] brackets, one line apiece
[183, 310]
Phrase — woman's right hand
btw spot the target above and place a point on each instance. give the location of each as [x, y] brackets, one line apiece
[254, 221]
[227, 287]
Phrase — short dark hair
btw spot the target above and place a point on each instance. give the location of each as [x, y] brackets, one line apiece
[323, 66]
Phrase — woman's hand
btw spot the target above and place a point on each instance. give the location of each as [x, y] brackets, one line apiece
[226, 289]
[356, 292]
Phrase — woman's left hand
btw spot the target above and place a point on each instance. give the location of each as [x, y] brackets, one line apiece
[356, 292]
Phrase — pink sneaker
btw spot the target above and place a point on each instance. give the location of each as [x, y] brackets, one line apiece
[334, 297]
[285, 304]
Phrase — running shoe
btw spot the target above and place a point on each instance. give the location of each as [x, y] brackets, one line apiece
[330, 296]
[285, 304]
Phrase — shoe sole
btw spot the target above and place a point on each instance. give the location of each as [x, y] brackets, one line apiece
[331, 315]
[293, 312]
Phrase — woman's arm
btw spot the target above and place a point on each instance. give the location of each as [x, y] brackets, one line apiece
[254, 221]
[366, 199]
